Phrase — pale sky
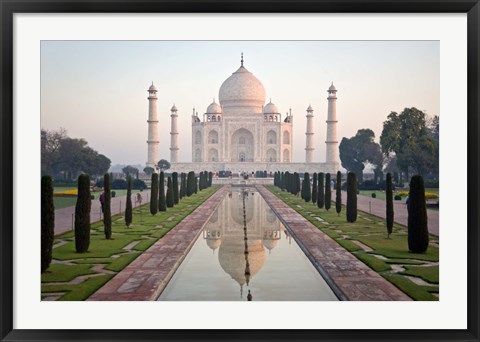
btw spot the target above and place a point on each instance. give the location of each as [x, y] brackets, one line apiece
[97, 90]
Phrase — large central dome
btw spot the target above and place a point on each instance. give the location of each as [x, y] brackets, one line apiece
[242, 89]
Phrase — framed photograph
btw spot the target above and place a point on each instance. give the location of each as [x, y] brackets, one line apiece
[239, 170]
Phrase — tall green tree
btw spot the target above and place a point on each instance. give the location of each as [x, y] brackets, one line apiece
[170, 199]
[320, 191]
[107, 211]
[176, 197]
[190, 183]
[182, 186]
[308, 191]
[351, 197]
[162, 201]
[149, 170]
[328, 192]
[314, 188]
[338, 193]
[154, 194]
[296, 184]
[163, 165]
[129, 171]
[409, 137]
[48, 222]
[389, 203]
[417, 216]
[128, 207]
[82, 215]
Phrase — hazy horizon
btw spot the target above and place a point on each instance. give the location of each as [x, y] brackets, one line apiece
[97, 90]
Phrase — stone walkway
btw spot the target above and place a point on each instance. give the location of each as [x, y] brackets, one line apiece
[146, 277]
[377, 207]
[349, 278]
[64, 217]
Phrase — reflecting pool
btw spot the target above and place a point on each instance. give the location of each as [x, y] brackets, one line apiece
[244, 249]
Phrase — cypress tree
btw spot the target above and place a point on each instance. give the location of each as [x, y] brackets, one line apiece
[195, 179]
[181, 193]
[282, 181]
[128, 207]
[302, 191]
[107, 212]
[389, 201]
[308, 191]
[48, 222]
[338, 188]
[314, 188]
[351, 197]
[170, 199]
[210, 178]
[328, 192]
[82, 215]
[417, 216]
[154, 194]
[320, 191]
[296, 184]
[286, 181]
[190, 183]
[201, 181]
[184, 175]
[162, 205]
[176, 198]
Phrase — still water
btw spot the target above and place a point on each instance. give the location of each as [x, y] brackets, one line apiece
[244, 247]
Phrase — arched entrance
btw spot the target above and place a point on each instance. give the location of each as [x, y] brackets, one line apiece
[242, 146]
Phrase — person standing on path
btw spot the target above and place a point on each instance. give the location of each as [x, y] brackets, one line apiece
[249, 296]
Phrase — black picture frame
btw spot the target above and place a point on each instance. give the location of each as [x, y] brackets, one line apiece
[10, 7]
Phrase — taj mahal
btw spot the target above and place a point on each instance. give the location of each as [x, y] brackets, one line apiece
[244, 133]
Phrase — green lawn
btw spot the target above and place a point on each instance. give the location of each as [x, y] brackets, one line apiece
[112, 254]
[371, 231]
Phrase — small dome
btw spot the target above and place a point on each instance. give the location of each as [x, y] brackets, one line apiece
[152, 88]
[214, 108]
[332, 88]
[214, 243]
[270, 108]
[309, 109]
[174, 109]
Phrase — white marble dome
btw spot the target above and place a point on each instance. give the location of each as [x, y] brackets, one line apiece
[270, 108]
[214, 108]
[242, 89]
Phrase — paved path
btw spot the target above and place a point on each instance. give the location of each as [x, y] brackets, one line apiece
[146, 277]
[348, 277]
[377, 207]
[64, 218]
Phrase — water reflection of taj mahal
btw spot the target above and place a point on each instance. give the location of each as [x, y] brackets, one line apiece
[225, 233]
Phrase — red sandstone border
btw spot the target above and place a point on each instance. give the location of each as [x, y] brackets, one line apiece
[146, 277]
[348, 277]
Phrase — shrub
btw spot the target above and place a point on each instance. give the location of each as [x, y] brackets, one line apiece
[351, 197]
[106, 209]
[328, 192]
[170, 199]
[47, 222]
[139, 184]
[338, 194]
[389, 203]
[128, 207]
[417, 216]
[162, 204]
[119, 184]
[82, 215]
[114, 194]
[398, 198]
[154, 194]
[320, 191]
[92, 197]
[176, 198]
[374, 195]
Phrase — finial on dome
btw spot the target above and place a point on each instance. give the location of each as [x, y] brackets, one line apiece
[270, 100]
[241, 60]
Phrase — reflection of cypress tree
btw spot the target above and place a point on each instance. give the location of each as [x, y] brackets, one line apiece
[314, 188]
[308, 192]
[107, 212]
[154, 194]
[82, 215]
[389, 201]
[162, 205]
[328, 192]
[170, 199]
[417, 216]
[320, 191]
[351, 197]
[338, 189]
[175, 187]
[48, 222]
[128, 208]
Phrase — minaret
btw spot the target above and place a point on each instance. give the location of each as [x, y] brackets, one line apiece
[174, 136]
[332, 141]
[309, 144]
[152, 141]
